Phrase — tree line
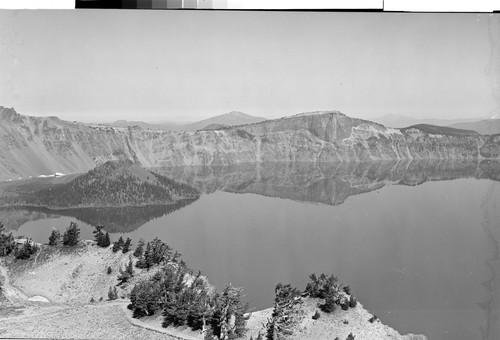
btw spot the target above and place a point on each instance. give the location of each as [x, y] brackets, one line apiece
[106, 185]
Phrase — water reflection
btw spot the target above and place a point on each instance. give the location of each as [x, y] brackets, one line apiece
[116, 220]
[320, 183]
[325, 183]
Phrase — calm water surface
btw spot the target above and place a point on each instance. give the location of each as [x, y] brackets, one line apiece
[424, 258]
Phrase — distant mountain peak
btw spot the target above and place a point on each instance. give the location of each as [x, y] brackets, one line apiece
[236, 113]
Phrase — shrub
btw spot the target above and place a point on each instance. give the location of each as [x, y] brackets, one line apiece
[373, 319]
[25, 250]
[316, 315]
[112, 294]
[329, 306]
[126, 274]
[352, 302]
[109, 271]
[324, 287]
[347, 290]
[350, 337]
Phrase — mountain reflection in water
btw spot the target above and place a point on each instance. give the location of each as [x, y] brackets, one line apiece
[116, 220]
[320, 183]
[329, 183]
[424, 258]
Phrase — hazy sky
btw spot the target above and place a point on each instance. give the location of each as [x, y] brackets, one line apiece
[90, 65]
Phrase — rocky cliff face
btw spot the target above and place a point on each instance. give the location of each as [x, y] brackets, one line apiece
[31, 146]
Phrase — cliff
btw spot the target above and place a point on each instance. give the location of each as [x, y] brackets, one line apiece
[30, 146]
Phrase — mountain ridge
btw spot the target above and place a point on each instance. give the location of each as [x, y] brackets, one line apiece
[484, 126]
[41, 145]
[402, 121]
[229, 119]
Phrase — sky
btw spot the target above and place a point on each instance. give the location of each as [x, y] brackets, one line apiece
[92, 65]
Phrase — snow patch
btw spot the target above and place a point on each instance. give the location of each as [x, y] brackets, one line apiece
[57, 174]
[38, 298]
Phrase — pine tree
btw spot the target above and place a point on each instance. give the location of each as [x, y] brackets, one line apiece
[145, 260]
[126, 245]
[138, 252]
[285, 313]
[116, 247]
[120, 242]
[71, 235]
[54, 237]
[228, 321]
[107, 242]
[99, 235]
[7, 244]
[130, 267]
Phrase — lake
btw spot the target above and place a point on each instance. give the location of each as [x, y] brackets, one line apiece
[418, 242]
